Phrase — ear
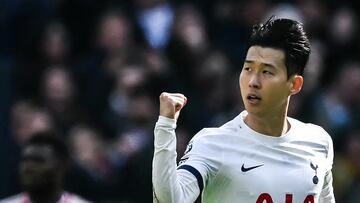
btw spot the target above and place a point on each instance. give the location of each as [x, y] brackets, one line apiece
[296, 83]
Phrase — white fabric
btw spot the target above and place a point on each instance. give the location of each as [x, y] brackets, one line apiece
[285, 170]
[66, 197]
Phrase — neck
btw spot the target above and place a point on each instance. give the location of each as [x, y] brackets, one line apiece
[272, 125]
[51, 196]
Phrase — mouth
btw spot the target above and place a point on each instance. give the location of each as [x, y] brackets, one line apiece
[253, 98]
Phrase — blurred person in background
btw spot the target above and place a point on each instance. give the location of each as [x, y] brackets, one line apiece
[132, 153]
[211, 77]
[131, 79]
[88, 151]
[58, 93]
[159, 70]
[92, 175]
[43, 163]
[41, 38]
[337, 107]
[345, 28]
[232, 24]
[27, 119]
[342, 41]
[155, 19]
[114, 32]
[195, 61]
[95, 71]
[55, 45]
[189, 41]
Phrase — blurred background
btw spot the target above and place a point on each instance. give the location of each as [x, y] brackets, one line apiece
[92, 70]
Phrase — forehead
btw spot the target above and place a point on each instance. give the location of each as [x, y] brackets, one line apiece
[266, 55]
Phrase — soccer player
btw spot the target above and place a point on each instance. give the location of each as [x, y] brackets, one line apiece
[262, 155]
[44, 159]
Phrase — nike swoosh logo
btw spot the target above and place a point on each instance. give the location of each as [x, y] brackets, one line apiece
[243, 169]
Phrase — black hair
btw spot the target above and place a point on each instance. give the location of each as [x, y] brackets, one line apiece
[287, 35]
[52, 140]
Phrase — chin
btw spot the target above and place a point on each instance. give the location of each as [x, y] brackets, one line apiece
[254, 110]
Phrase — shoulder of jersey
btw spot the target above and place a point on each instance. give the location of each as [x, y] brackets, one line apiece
[312, 130]
[228, 128]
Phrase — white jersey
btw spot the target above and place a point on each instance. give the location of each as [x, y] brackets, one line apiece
[66, 197]
[235, 164]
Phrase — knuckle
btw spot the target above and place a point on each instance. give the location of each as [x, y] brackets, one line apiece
[163, 95]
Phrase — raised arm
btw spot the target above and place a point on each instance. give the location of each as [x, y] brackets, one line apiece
[170, 185]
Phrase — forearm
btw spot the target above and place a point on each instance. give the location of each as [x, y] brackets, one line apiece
[170, 185]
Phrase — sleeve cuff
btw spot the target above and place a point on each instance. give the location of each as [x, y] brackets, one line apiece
[167, 121]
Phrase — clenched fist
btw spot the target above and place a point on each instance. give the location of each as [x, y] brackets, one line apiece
[171, 104]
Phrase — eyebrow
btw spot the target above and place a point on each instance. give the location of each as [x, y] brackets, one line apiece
[265, 64]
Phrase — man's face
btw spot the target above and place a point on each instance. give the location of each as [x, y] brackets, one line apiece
[38, 168]
[264, 85]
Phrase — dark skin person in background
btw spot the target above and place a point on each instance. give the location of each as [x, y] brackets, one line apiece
[43, 164]
[41, 173]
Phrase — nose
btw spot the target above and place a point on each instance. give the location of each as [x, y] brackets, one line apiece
[254, 81]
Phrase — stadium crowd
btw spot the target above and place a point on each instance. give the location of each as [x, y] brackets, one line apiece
[93, 70]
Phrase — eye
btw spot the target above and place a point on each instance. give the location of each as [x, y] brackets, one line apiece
[247, 68]
[268, 72]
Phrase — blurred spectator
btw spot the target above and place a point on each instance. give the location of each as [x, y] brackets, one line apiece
[55, 45]
[205, 69]
[93, 175]
[188, 46]
[337, 108]
[132, 148]
[29, 20]
[52, 48]
[131, 80]
[95, 71]
[114, 32]
[58, 95]
[211, 77]
[26, 120]
[232, 25]
[345, 26]
[343, 40]
[43, 163]
[159, 70]
[155, 18]
[88, 150]
[188, 34]
[315, 17]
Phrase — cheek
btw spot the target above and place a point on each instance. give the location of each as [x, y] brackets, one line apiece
[241, 81]
[278, 93]
[241, 87]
